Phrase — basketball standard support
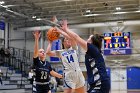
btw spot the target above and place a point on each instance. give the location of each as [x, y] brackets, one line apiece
[87, 25]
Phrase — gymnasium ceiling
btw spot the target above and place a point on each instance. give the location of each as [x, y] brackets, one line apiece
[21, 12]
[26, 13]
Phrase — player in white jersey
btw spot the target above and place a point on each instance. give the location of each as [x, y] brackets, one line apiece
[73, 78]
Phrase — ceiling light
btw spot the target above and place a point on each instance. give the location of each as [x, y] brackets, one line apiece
[118, 8]
[137, 11]
[33, 16]
[66, 0]
[120, 13]
[6, 6]
[88, 11]
[92, 14]
[38, 19]
[2, 2]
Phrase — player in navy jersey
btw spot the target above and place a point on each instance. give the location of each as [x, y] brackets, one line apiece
[96, 70]
[43, 69]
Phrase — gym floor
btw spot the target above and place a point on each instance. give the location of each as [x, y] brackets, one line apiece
[23, 91]
[19, 18]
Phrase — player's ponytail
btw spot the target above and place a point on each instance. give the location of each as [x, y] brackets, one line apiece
[62, 39]
[97, 41]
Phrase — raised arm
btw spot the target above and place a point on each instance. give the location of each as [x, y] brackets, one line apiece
[74, 44]
[62, 33]
[73, 35]
[78, 39]
[36, 36]
[49, 52]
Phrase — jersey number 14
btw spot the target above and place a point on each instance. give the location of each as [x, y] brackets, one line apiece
[70, 58]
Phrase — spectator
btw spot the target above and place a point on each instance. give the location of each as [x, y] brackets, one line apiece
[2, 51]
[30, 77]
[7, 52]
[2, 55]
[24, 52]
[7, 56]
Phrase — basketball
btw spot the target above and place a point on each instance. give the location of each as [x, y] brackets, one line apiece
[52, 34]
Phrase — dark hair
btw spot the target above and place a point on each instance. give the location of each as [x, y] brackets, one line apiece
[97, 41]
[62, 39]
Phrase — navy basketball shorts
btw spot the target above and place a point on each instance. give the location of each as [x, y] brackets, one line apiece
[42, 88]
[105, 88]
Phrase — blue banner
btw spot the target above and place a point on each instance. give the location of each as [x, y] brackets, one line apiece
[56, 45]
[117, 52]
[2, 25]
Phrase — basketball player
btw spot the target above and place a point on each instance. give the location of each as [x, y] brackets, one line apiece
[73, 78]
[43, 69]
[94, 61]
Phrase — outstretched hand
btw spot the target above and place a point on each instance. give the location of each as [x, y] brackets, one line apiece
[64, 25]
[37, 34]
[58, 30]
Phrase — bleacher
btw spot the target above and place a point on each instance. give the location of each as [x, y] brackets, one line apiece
[15, 70]
[13, 80]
